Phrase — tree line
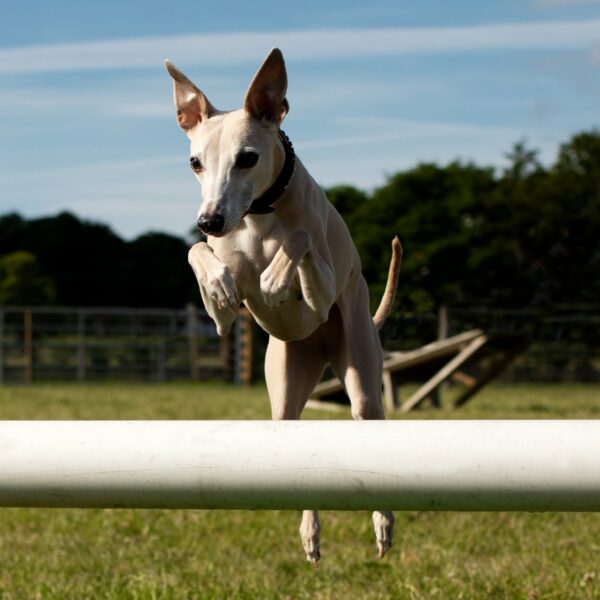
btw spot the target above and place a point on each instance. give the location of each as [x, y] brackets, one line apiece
[64, 260]
[525, 236]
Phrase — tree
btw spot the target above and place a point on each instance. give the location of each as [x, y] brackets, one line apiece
[434, 210]
[526, 236]
[92, 266]
[156, 272]
[523, 161]
[23, 282]
[572, 261]
[348, 201]
[83, 258]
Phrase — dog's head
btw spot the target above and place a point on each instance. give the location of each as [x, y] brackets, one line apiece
[233, 154]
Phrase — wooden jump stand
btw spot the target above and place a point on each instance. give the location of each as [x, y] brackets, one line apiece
[435, 363]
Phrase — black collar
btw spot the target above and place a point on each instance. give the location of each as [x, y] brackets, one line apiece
[262, 205]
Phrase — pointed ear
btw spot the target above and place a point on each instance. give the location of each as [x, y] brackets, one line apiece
[191, 104]
[265, 98]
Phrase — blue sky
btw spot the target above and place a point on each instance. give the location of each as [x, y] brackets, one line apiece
[86, 116]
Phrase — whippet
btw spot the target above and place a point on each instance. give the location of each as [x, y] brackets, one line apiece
[275, 244]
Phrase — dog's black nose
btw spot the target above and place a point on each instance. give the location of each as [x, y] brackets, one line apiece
[211, 224]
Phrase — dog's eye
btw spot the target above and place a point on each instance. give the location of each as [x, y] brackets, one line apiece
[195, 164]
[246, 160]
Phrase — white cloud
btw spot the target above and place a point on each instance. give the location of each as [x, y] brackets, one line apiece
[241, 48]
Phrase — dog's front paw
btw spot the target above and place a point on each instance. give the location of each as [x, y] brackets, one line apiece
[275, 285]
[276, 279]
[220, 287]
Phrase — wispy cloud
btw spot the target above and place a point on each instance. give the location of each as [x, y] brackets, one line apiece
[376, 130]
[52, 103]
[244, 47]
[148, 97]
[138, 96]
[595, 54]
[134, 195]
[160, 193]
[552, 3]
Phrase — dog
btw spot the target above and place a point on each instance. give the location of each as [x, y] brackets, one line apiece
[276, 244]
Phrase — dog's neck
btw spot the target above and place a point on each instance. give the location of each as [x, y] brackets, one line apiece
[261, 225]
[284, 161]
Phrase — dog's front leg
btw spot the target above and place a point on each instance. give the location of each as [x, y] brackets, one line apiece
[218, 289]
[298, 254]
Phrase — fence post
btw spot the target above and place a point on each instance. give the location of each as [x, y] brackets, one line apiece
[81, 346]
[28, 345]
[192, 327]
[1, 346]
[443, 322]
[161, 371]
[244, 347]
[442, 335]
[225, 355]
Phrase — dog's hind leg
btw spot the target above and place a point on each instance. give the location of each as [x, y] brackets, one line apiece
[357, 361]
[310, 534]
[292, 369]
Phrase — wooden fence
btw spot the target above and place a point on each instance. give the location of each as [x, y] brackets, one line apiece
[85, 344]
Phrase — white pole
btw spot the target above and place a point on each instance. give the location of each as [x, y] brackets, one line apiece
[345, 465]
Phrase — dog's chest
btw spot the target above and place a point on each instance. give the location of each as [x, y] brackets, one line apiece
[249, 253]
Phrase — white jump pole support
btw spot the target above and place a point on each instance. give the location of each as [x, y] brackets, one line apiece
[343, 465]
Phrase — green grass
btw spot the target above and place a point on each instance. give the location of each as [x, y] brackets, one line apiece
[175, 554]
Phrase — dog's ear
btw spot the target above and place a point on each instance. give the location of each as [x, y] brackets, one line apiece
[265, 98]
[191, 104]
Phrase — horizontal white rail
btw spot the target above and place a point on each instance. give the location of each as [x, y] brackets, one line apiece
[345, 465]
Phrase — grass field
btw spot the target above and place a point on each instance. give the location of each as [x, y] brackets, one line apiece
[235, 554]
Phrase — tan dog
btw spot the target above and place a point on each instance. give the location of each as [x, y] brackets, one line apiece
[276, 244]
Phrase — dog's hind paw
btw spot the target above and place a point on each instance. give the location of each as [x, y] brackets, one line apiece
[383, 523]
[310, 532]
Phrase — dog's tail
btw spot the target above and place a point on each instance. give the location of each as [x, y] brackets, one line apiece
[387, 300]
